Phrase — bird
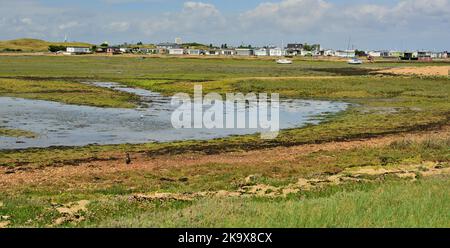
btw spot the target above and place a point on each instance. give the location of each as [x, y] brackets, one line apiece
[128, 159]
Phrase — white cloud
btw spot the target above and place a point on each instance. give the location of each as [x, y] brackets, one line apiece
[119, 26]
[195, 17]
[67, 25]
[288, 15]
[325, 21]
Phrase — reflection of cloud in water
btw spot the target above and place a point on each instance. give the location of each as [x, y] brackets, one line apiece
[70, 125]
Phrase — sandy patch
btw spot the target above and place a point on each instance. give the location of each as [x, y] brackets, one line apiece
[4, 224]
[71, 212]
[421, 71]
[363, 174]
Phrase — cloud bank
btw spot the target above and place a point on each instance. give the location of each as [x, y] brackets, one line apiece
[402, 24]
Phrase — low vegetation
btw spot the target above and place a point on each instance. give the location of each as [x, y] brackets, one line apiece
[66, 92]
[34, 45]
[382, 163]
[6, 132]
[399, 195]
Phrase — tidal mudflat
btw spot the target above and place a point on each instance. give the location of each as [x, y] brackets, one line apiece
[58, 124]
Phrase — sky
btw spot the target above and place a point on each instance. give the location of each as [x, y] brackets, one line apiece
[337, 24]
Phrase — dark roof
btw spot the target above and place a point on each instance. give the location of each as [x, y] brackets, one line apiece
[295, 46]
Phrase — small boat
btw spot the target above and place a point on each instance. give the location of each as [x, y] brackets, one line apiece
[284, 61]
[355, 61]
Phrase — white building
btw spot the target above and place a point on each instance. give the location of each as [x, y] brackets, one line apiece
[306, 53]
[244, 52]
[78, 50]
[374, 53]
[125, 50]
[176, 51]
[212, 52]
[345, 53]
[328, 52]
[228, 52]
[262, 52]
[278, 52]
[194, 51]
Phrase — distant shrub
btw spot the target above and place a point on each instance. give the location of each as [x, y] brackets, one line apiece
[11, 50]
[56, 48]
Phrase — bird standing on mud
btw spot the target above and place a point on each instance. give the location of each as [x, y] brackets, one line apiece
[128, 158]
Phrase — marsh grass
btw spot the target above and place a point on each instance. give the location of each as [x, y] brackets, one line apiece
[17, 133]
[379, 106]
[394, 204]
[66, 92]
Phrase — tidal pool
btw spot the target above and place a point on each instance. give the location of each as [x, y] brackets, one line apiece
[60, 124]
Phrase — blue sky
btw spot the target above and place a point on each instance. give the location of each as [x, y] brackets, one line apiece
[382, 24]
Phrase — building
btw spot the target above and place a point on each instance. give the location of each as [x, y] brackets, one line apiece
[194, 52]
[328, 52]
[294, 49]
[424, 55]
[374, 53]
[396, 54]
[410, 56]
[345, 53]
[125, 50]
[295, 46]
[78, 50]
[176, 51]
[306, 53]
[262, 52]
[244, 52]
[113, 50]
[212, 52]
[228, 52]
[167, 45]
[439, 55]
[276, 52]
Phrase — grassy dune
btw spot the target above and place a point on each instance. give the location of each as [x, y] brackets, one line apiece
[34, 45]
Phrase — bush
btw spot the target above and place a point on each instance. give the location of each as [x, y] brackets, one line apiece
[55, 48]
[11, 50]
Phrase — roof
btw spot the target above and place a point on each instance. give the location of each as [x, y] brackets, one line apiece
[78, 47]
[167, 44]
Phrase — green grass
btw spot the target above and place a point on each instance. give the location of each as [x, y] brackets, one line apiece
[385, 202]
[171, 68]
[380, 106]
[393, 203]
[66, 92]
[16, 133]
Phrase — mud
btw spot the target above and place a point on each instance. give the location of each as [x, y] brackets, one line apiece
[142, 162]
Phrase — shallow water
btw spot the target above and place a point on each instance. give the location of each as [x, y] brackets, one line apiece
[70, 125]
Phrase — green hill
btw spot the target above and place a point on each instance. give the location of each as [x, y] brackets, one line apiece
[34, 45]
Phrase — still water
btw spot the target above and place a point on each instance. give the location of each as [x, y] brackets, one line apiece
[60, 124]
